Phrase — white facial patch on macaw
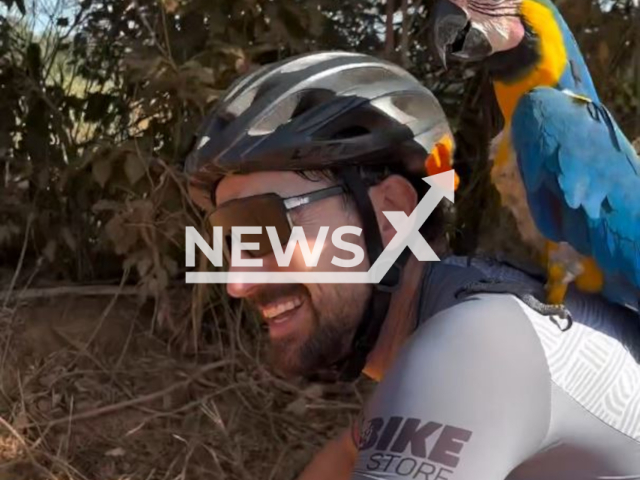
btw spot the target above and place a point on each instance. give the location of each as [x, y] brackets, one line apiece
[503, 33]
[498, 20]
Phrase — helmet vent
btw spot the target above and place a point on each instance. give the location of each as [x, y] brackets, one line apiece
[290, 108]
[279, 115]
[400, 112]
[312, 98]
[241, 103]
[414, 104]
[351, 132]
[356, 78]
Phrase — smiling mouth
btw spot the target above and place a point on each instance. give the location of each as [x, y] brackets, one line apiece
[458, 43]
[279, 312]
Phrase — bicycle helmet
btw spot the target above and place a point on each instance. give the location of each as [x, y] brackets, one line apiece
[337, 110]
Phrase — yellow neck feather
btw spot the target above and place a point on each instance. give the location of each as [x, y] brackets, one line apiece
[551, 65]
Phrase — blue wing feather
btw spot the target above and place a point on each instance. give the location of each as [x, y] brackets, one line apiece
[574, 152]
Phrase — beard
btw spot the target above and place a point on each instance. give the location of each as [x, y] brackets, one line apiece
[335, 313]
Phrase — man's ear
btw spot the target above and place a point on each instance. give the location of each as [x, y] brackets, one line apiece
[393, 194]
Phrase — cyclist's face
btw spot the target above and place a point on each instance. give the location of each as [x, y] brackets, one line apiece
[310, 325]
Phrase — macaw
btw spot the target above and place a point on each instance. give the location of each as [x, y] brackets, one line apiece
[563, 167]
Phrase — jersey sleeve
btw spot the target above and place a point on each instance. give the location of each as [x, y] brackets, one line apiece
[468, 398]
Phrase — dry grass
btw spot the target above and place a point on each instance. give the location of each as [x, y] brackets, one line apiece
[90, 392]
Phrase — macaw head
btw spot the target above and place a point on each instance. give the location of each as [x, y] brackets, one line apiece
[472, 30]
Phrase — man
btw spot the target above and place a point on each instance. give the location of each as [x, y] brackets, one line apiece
[478, 380]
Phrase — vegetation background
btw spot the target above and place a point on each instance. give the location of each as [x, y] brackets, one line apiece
[99, 100]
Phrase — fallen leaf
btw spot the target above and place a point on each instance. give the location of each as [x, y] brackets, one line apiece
[21, 421]
[115, 452]
[314, 391]
[298, 407]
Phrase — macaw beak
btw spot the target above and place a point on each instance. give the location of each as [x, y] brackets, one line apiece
[453, 34]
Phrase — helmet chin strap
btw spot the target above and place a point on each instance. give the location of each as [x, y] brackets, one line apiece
[368, 331]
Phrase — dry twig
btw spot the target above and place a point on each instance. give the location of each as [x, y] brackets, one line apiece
[71, 290]
[136, 401]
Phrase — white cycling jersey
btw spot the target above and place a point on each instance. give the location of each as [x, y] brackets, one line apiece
[487, 388]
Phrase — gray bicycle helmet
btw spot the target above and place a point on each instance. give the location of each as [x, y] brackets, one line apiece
[316, 111]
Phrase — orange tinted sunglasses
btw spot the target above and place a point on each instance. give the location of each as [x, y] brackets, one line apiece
[265, 210]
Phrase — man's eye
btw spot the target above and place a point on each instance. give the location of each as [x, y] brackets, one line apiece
[295, 217]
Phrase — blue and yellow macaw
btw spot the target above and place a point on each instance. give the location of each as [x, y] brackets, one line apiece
[564, 168]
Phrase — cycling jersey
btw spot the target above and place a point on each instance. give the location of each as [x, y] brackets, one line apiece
[487, 388]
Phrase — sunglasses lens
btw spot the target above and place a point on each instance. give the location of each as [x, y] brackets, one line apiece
[261, 211]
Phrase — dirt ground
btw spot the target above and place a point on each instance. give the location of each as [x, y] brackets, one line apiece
[91, 388]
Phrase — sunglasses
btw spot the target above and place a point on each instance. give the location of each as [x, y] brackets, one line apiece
[266, 210]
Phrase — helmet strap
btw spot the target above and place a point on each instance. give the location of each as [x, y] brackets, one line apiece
[371, 323]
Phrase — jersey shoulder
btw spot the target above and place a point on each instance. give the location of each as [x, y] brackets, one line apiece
[483, 321]
[473, 375]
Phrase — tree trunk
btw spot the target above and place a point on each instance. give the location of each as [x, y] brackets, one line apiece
[404, 39]
[389, 45]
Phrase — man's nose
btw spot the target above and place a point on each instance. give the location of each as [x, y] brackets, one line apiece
[242, 287]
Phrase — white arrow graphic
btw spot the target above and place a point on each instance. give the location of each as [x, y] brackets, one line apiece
[442, 186]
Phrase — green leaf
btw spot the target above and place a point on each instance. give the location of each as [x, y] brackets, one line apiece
[101, 171]
[134, 169]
